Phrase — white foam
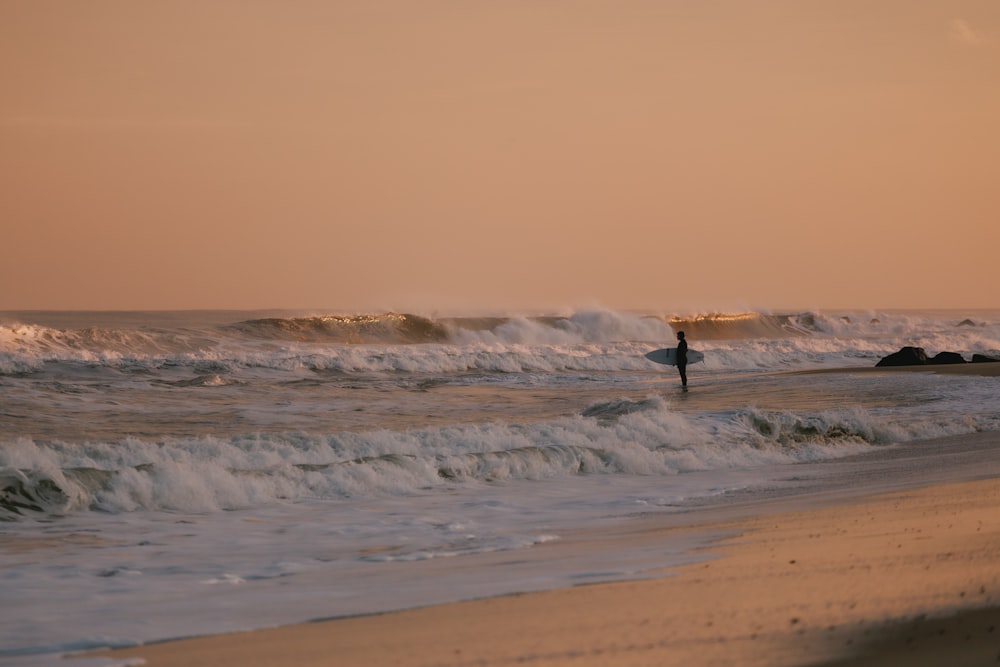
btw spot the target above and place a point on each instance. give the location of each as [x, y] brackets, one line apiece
[209, 473]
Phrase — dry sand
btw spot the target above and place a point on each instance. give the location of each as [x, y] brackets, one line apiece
[903, 578]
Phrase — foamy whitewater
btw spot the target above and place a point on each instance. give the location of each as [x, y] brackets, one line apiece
[174, 474]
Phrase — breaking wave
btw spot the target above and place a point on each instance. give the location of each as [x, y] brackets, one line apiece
[628, 437]
[358, 329]
[596, 340]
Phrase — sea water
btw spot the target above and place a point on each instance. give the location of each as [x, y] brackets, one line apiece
[172, 474]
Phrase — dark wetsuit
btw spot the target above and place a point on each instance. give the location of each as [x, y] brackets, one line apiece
[682, 361]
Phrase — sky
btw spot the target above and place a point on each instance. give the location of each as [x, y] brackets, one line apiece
[459, 155]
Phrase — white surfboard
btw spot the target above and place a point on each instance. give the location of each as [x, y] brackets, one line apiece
[668, 356]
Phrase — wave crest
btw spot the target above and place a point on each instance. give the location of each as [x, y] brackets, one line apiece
[722, 326]
[386, 328]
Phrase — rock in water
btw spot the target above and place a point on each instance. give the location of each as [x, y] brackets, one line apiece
[982, 359]
[946, 358]
[907, 356]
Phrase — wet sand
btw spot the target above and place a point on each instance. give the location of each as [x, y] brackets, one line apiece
[985, 369]
[910, 577]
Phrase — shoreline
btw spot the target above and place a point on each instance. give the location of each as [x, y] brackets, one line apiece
[893, 574]
[983, 369]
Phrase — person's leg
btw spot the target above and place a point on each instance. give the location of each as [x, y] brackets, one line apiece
[682, 368]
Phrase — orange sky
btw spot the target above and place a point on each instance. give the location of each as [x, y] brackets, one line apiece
[463, 154]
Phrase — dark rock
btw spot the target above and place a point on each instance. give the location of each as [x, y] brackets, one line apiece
[907, 356]
[875, 320]
[966, 323]
[946, 358]
[982, 359]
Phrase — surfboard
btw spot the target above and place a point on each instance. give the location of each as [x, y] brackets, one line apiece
[668, 356]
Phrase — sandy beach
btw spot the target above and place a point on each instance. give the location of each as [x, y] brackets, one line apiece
[908, 577]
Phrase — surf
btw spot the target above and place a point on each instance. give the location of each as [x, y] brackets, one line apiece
[648, 436]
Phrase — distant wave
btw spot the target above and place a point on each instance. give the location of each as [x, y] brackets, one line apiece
[406, 328]
[591, 326]
[722, 326]
[382, 328]
[587, 326]
[590, 340]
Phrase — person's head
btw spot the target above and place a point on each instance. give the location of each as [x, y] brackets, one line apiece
[680, 335]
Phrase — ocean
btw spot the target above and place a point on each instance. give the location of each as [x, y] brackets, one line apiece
[171, 474]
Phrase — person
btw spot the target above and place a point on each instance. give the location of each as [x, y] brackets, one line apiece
[682, 359]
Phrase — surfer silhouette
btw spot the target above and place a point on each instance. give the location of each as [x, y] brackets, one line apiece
[682, 358]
